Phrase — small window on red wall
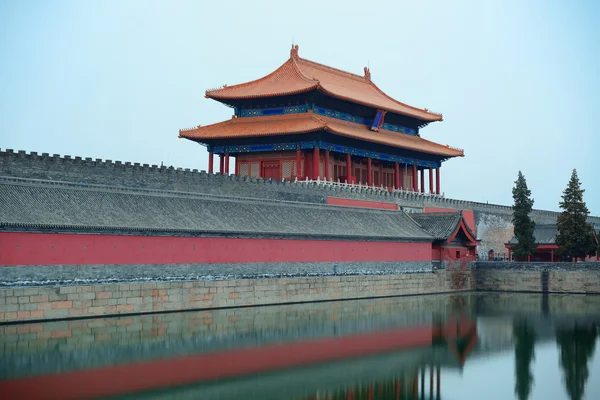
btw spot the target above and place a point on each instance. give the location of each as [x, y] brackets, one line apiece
[457, 253]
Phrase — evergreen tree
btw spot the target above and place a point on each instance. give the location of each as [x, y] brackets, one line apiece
[523, 224]
[575, 236]
[524, 353]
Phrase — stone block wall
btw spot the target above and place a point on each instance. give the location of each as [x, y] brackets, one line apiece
[538, 277]
[57, 302]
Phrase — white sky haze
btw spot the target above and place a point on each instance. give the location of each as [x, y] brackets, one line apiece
[518, 82]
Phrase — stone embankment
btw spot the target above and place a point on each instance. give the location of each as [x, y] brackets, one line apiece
[57, 302]
[581, 277]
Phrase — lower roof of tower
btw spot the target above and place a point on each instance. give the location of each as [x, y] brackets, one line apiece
[308, 122]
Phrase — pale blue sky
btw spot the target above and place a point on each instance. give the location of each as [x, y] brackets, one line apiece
[518, 81]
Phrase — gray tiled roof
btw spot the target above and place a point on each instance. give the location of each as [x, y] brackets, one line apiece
[37, 204]
[544, 234]
[439, 225]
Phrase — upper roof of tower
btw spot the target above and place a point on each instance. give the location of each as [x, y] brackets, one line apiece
[298, 75]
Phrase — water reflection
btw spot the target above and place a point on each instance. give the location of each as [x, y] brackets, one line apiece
[524, 335]
[577, 345]
[397, 348]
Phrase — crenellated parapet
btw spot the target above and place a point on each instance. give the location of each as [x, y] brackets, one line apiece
[78, 169]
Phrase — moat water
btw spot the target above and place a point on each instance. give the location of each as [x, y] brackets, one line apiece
[468, 346]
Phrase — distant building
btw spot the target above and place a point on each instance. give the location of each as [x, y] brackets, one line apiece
[309, 121]
[454, 240]
[545, 239]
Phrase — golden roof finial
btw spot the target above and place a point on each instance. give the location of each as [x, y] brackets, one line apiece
[367, 74]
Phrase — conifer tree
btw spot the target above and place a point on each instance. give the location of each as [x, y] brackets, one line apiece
[523, 224]
[575, 236]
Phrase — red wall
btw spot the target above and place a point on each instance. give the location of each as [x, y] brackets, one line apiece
[17, 248]
[337, 201]
[467, 214]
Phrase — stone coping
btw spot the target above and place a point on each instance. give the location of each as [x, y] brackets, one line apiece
[538, 266]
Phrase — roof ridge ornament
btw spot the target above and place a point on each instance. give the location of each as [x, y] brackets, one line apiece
[367, 74]
[294, 51]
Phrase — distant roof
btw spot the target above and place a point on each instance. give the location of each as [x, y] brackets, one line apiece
[298, 75]
[544, 234]
[441, 225]
[310, 122]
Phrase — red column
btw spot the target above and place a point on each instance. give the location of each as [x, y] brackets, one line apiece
[221, 163]
[226, 163]
[529, 258]
[349, 168]
[437, 181]
[509, 255]
[210, 162]
[422, 181]
[326, 165]
[369, 173]
[397, 176]
[316, 163]
[430, 180]
[415, 179]
[299, 164]
[237, 165]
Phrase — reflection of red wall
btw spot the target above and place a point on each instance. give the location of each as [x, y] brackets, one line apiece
[192, 369]
[17, 248]
[337, 201]
[467, 214]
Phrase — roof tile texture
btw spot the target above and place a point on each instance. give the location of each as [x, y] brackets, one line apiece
[309, 122]
[81, 206]
[298, 75]
[439, 225]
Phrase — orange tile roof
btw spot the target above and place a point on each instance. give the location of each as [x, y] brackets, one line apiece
[310, 122]
[298, 75]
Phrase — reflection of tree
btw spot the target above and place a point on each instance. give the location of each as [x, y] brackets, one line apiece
[577, 346]
[524, 335]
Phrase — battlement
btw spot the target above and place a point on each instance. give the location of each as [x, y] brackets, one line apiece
[135, 175]
[35, 157]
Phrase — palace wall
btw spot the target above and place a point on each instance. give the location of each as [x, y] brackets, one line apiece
[58, 302]
[492, 222]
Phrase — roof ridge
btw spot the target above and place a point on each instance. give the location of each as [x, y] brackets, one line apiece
[186, 130]
[366, 78]
[244, 84]
[331, 122]
[437, 213]
[447, 146]
[332, 69]
[404, 104]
